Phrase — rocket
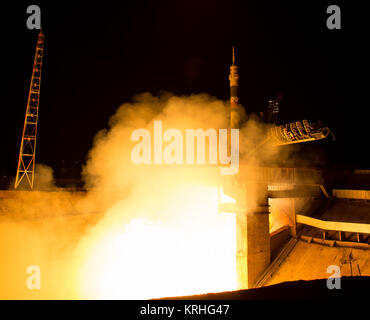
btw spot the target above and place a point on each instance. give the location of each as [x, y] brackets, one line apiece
[234, 99]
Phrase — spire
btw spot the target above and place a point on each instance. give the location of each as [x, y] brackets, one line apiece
[233, 55]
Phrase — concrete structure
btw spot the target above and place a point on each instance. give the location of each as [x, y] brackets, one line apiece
[305, 204]
[334, 233]
[252, 236]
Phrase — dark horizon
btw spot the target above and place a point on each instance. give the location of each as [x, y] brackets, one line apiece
[98, 57]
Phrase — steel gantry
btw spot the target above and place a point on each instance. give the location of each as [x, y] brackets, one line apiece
[26, 160]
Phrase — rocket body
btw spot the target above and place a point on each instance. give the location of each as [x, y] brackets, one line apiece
[234, 98]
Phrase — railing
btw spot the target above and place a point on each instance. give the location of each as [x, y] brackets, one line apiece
[351, 194]
[334, 225]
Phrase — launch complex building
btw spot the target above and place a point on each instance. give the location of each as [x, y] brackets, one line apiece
[327, 210]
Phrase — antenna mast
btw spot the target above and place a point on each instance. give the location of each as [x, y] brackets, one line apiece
[26, 161]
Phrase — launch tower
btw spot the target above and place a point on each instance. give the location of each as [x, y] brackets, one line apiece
[26, 160]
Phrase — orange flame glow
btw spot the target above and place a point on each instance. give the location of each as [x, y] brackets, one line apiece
[192, 254]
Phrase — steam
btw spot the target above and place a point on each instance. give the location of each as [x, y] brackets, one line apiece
[154, 205]
[44, 179]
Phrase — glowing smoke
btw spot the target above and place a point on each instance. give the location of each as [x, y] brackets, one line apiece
[148, 231]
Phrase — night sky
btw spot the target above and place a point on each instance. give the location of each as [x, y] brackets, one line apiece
[98, 55]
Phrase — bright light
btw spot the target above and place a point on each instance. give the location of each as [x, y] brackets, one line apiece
[225, 198]
[193, 252]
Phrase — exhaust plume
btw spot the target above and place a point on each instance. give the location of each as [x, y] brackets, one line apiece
[140, 231]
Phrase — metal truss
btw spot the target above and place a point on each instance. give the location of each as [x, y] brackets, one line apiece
[26, 161]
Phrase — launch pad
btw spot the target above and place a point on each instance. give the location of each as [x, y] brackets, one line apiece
[277, 219]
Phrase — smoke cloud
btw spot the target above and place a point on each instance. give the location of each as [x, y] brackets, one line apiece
[169, 212]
